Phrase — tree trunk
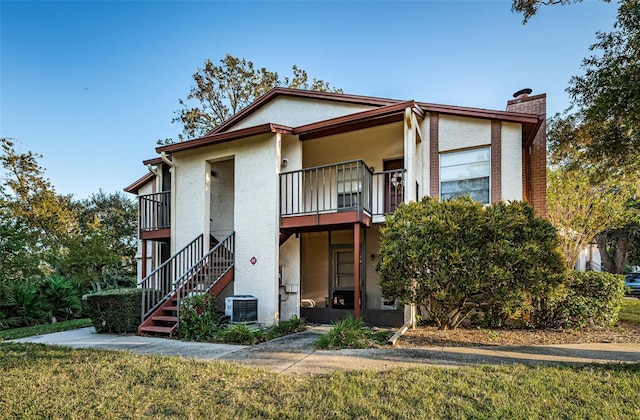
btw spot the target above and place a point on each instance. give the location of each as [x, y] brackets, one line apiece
[607, 263]
[621, 253]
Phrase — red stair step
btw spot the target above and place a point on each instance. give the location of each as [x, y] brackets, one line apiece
[158, 329]
[165, 318]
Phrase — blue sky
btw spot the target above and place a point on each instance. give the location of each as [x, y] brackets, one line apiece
[92, 85]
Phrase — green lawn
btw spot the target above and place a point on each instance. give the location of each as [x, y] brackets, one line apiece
[630, 311]
[14, 333]
[38, 381]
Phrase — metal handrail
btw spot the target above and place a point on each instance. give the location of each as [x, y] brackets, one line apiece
[154, 211]
[388, 191]
[330, 188]
[158, 286]
[325, 188]
[205, 273]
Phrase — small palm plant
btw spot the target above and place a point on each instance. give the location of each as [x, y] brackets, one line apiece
[59, 298]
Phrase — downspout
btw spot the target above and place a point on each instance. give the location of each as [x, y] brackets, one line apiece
[166, 160]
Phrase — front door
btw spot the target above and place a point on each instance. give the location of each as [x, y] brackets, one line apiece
[393, 184]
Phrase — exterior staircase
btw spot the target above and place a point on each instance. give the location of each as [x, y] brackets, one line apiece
[185, 274]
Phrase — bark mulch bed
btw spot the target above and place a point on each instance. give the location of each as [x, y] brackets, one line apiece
[474, 336]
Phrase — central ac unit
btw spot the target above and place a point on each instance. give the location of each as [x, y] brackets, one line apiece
[241, 308]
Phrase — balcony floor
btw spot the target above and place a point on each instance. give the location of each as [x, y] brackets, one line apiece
[156, 234]
[324, 221]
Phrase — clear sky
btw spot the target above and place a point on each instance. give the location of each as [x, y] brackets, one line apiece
[92, 85]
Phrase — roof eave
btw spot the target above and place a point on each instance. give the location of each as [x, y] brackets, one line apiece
[225, 137]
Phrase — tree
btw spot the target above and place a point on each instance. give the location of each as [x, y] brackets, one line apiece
[606, 98]
[455, 255]
[45, 217]
[18, 258]
[529, 8]
[581, 208]
[221, 91]
[102, 253]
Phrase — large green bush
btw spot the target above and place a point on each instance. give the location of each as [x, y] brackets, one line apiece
[590, 299]
[115, 310]
[455, 255]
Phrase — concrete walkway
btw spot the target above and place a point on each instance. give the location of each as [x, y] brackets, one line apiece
[295, 353]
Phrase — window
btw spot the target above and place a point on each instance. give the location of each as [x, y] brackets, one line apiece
[466, 173]
[349, 186]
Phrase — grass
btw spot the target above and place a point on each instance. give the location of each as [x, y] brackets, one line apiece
[40, 381]
[14, 333]
[630, 311]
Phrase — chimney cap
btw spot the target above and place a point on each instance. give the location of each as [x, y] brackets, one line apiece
[522, 93]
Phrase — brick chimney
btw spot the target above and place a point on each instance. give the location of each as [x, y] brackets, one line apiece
[534, 157]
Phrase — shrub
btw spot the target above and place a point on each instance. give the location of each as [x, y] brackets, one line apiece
[60, 298]
[199, 322]
[238, 334]
[455, 255]
[590, 299]
[198, 319]
[24, 305]
[290, 326]
[115, 310]
[351, 333]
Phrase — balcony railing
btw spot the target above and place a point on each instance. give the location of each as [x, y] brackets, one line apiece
[155, 211]
[346, 186]
[387, 191]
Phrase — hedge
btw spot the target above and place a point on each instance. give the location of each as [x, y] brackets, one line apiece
[115, 310]
[588, 299]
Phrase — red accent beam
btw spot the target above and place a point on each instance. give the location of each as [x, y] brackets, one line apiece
[356, 270]
[326, 219]
[155, 234]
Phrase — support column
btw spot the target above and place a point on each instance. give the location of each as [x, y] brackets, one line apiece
[356, 270]
[143, 271]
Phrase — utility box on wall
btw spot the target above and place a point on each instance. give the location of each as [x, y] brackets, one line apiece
[241, 308]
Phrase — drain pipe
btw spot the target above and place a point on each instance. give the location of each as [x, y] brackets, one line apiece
[153, 170]
[166, 160]
[399, 333]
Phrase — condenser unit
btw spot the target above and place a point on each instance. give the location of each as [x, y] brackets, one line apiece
[241, 308]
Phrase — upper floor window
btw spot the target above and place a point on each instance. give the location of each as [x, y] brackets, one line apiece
[466, 172]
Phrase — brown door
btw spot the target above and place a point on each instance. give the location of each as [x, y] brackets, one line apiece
[393, 184]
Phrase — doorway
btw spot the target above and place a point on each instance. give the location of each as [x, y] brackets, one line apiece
[393, 184]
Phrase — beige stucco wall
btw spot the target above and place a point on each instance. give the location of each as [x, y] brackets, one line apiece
[290, 265]
[373, 292]
[256, 220]
[221, 198]
[511, 161]
[373, 145]
[294, 112]
[460, 133]
[315, 267]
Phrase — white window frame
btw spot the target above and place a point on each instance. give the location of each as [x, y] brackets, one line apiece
[487, 148]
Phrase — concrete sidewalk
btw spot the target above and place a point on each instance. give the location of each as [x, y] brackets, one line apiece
[295, 353]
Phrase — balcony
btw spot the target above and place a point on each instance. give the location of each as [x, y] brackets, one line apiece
[155, 215]
[334, 196]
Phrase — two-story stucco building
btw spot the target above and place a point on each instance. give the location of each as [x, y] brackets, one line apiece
[284, 201]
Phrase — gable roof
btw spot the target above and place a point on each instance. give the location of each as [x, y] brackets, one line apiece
[300, 93]
[141, 182]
